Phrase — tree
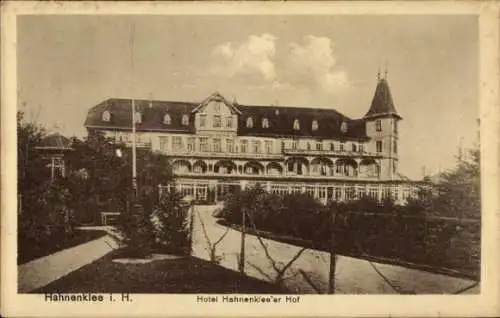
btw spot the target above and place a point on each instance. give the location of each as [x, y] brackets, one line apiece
[459, 190]
[30, 162]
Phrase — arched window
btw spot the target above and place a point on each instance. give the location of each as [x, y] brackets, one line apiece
[185, 120]
[343, 127]
[138, 118]
[249, 122]
[167, 120]
[314, 125]
[106, 116]
[265, 123]
[296, 124]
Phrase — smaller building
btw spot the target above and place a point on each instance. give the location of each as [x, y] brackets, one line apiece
[55, 148]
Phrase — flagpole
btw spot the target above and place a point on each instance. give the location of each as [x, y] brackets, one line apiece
[134, 154]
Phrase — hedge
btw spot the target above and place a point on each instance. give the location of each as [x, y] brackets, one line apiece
[364, 228]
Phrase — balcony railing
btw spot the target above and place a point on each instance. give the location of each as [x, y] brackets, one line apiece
[327, 152]
[201, 154]
[286, 175]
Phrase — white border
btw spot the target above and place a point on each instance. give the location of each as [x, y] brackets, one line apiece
[484, 304]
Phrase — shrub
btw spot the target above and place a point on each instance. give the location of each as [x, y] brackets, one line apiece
[170, 219]
[137, 230]
[45, 221]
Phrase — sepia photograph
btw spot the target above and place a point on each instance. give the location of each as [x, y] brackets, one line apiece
[248, 158]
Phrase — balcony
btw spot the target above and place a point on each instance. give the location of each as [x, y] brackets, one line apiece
[282, 176]
[326, 152]
[231, 155]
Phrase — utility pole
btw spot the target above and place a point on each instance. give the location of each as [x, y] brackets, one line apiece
[134, 153]
[333, 255]
[242, 248]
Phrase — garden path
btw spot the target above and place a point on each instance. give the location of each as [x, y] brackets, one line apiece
[42, 271]
[353, 276]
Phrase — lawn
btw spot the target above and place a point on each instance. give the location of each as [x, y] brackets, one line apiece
[29, 250]
[181, 275]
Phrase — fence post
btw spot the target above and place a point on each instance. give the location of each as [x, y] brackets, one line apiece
[242, 248]
[333, 264]
[191, 229]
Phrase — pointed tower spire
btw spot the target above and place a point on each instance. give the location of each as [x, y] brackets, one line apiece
[382, 103]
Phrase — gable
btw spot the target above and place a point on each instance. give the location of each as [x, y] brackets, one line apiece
[216, 103]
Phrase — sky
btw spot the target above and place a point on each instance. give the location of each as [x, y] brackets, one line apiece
[67, 64]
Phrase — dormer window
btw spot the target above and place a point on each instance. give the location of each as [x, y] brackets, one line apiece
[249, 122]
[314, 125]
[265, 123]
[167, 120]
[138, 118]
[296, 124]
[185, 120]
[106, 116]
[343, 127]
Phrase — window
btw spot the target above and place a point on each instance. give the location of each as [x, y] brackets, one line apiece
[229, 145]
[244, 144]
[138, 118]
[167, 120]
[395, 126]
[203, 120]
[256, 146]
[342, 147]
[378, 125]
[319, 146]
[295, 143]
[269, 146]
[308, 146]
[106, 116]
[217, 145]
[394, 166]
[229, 121]
[379, 146]
[332, 147]
[217, 121]
[163, 142]
[296, 124]
[395, 146]
[265, 123]
[177, 143]
[185, 120]
[354, 148]
[360, 148]
[314, 125]
[217, 108]
[343, 127]
[249, 122]
[204, 144]
[190, 144]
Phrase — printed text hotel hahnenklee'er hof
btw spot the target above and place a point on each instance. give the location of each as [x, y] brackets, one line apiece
[217, 145]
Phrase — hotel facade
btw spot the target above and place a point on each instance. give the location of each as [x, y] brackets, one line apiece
[217, 145]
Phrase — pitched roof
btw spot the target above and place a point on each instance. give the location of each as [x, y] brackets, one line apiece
[55, 141]
[152, 115]
[382, 103]
[281, 119]
[281, 122]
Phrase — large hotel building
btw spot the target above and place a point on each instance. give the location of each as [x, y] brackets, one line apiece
[217, 145]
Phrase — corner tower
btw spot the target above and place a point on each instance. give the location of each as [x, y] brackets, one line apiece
[381, 122]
